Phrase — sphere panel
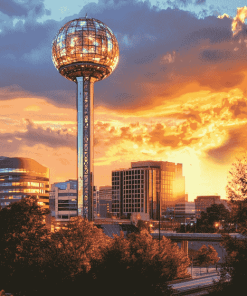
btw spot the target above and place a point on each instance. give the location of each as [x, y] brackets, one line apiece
[85, 41]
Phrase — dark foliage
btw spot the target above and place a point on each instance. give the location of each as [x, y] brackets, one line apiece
[36, 262]
[234, 272]
[207, 256]
[139, 265]
[216, 213]
[23, 237]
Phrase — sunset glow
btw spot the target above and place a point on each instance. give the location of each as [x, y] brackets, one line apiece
[178, 93]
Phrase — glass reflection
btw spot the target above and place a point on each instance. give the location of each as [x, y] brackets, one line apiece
[85, 40]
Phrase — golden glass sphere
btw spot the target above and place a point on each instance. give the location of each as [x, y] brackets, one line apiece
[85, 47]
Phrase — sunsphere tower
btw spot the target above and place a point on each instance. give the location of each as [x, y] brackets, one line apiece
[85, 50]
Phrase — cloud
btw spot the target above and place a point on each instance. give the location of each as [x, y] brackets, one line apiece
[235, 145]
[48, 137]
[200, 2]
[212, 124]
[175, 80]
[11, 7]
[238, 21]
[159, 50]
[34, 135]
[223, 15]
[216, 56]
[177, 3]
[23, 8]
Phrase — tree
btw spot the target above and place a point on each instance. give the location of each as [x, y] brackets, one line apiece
[35, 262]
[23, 237]
[207, 256]
[214, 214]
[237, 193]
[70, 257]
[233, 274]
[140, 265]
[141, 225]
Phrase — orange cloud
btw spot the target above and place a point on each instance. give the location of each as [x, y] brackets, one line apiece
[238, 21]
[199, 129]
[223, 15]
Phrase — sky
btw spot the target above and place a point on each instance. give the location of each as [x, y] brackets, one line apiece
[178, 93]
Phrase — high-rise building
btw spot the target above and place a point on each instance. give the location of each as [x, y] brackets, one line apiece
[105, 201]
[147, 188]
[23, 177]
[85, 50]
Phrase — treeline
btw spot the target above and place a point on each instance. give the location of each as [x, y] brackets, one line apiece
[81, 259]
[234, 272]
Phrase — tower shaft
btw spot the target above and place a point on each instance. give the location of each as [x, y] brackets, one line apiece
[85, 121]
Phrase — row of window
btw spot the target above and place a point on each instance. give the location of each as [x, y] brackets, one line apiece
[133, 210]
[12, 197]
[68, 208]
[22, 190]
[134, 182]
[66, 216]
[67, 194]
[20, 170]
[68, 201]
[134, 186]
[134, 178]
[33, 184]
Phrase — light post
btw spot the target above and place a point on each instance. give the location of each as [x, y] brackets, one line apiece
[192, 267]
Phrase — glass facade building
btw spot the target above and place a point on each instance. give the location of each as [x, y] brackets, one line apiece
[185, 212]
[23, 177]
[147, 188]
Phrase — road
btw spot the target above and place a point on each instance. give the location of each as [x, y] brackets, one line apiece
[195, 284]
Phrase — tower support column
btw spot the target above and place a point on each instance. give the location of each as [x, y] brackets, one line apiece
[85, 123]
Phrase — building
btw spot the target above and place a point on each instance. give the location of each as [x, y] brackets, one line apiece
[185, 212]
[205, 201]
[63, 200]
[168, 214]
[105, 201]
[23, 177]
[95, 201]
[147, 188]
[85, 50]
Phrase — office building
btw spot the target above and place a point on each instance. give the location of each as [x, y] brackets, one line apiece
[23, 177]
[147, 188]
[185, 212]
[105, 201]
[205, 201]
[63, 200]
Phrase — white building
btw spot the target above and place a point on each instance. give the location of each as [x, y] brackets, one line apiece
[63, 200]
